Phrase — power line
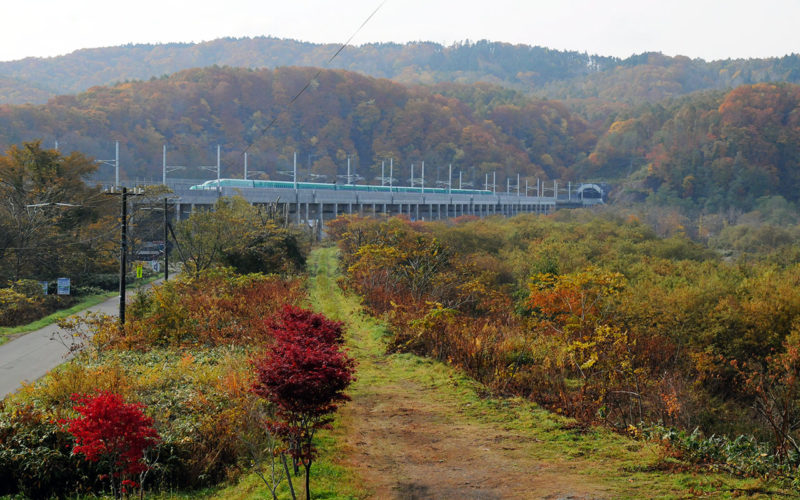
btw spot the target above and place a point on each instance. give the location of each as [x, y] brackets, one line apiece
[311, 80]
[105, 234]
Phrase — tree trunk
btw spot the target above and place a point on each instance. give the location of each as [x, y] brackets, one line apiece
[288, 476]
[308, 480]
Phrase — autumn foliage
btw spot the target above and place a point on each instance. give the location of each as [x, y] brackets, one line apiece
[592, 317]
[304, 374]
[184, 354]
[114, 432]
[216, 308]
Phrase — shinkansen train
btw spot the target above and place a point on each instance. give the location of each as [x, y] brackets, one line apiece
[242, 183]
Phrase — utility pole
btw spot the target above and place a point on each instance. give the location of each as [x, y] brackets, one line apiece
[494, 182]
[518, 185]
[123, 253]
[114, 163]
[167, 228]
[450, 179]
[412, 175]
[166, 241]
[123, 256]
[167, 168]
[219, 169]
[391, 173]
[459, 179]
[296, 194]
[423, 177]
[164, 164]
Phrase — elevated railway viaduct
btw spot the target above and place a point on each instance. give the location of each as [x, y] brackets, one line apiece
[309, 206]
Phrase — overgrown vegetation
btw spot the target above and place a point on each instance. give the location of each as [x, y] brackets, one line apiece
[186, 362]
[610, 323]
[446, 398]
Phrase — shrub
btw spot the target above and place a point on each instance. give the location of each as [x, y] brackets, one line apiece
[85, 291]
[24, 302]
[216, 308]
[35, 457]
[192, 340]
[106, 281]
[743, 455]
[15, 306]
[115, 434]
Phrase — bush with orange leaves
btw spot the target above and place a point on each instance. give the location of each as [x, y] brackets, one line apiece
[216, 308]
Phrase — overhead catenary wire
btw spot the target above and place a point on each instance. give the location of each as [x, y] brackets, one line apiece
[316, 75]
[85, 202]
[106, 234]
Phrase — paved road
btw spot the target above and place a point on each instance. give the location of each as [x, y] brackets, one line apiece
[32, 355]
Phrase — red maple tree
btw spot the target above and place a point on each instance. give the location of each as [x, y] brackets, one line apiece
[114, 432]
[297, 325]
[304, 374]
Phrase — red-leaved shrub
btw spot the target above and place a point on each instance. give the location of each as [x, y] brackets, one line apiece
[115, 432]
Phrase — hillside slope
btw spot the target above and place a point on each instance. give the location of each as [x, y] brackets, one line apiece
[707, 150]
[340, 114]
[648, 77]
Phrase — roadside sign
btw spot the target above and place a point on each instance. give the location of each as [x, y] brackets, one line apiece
[63, 286]
[139, 270]
[154, 265]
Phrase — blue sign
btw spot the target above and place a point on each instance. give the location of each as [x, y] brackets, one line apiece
[63, 286]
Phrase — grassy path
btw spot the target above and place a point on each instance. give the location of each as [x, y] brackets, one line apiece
[418, 429]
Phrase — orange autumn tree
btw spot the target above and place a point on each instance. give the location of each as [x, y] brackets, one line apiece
[573, 304]
[774, 388]
[577, 311]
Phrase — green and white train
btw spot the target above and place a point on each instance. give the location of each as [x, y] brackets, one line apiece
[256, 184]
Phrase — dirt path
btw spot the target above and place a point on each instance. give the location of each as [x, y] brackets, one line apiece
[410, 436]
[407, 442]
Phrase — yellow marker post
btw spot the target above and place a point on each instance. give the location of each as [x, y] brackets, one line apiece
[138, 270]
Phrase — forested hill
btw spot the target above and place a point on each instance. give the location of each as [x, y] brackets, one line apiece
[708, 150]
[340, 114]
[535, 70]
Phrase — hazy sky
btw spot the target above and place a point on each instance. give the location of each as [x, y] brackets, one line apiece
[711, 29]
